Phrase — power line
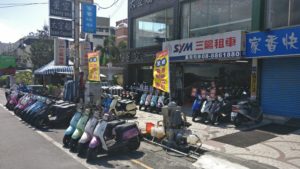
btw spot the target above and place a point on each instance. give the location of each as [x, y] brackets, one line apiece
[114, 3]
[11, 5]
[19, 5]
[117, 9]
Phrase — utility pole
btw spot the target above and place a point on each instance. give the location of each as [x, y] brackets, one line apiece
[76, 41]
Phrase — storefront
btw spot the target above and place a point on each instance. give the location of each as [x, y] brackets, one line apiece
[150, 23]
[199, 61]
[278, 52]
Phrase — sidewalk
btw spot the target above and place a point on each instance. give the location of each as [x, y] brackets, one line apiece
[281, 151]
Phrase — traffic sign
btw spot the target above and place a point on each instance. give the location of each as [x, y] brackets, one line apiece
[61, 28]
[60, 8]
[88, 18]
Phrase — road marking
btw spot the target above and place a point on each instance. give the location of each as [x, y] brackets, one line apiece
[74, 156]
[141, 164]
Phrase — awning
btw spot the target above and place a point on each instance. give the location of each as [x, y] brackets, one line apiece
[50, 69]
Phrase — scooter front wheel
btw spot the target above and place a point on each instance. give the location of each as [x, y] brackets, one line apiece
[91, 154]
[82, 149]
[194, 116]
[66, 140]
[237, 121]
[73, 145]
[134, 144]
[260, 119]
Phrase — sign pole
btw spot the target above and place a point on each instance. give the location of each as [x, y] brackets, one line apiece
[76, 47]
[169, 77]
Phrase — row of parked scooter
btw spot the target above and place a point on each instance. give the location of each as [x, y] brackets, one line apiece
[234, 105]
[92, 129]
[39, 111]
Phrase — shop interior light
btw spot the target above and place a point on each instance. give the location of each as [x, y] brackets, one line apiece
[242, 61]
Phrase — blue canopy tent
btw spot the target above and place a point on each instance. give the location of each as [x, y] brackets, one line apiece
[51, 69]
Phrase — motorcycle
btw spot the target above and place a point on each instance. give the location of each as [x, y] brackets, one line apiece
[154, 101]
[111, 136]
[143, 100]
[196, 107]
[72, 127]
[148, 101]
[79, 129]
[39, 105]
[161, 102]
[13, 99]
[88, 133]
[59, 114]
[223, 114]
[24, 102]
[106, 101]
[122, 107]
[245, 111]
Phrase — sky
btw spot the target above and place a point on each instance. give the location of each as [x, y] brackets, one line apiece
[17, 22]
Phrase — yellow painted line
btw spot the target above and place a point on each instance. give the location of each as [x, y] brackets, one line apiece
[141, 164]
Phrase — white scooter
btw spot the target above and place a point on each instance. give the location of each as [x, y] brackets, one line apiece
[122, 107]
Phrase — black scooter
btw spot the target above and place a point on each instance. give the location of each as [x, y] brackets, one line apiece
[112, 136]
[245, 111]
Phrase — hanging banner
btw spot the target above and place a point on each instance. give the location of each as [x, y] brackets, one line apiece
[60, 51]
[94, 67]
[161, 71]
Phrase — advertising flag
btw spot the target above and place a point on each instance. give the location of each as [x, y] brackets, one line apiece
[94, 67]
[161, 71]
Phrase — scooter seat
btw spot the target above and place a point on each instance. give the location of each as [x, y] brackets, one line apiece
[114, 123]
[120, 129]
[111, 125]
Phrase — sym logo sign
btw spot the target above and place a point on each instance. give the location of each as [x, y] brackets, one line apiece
[184, 47]
[218, 46]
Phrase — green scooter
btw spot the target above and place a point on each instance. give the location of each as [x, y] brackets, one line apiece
[79, 129]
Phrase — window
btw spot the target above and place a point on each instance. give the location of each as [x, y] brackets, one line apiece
[282, 13]
[203, 17]
[99, 36]
[102, 29]
[153, 29]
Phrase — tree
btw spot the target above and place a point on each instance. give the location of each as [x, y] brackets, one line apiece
[122, 45]
[109, 51]
[42, 50]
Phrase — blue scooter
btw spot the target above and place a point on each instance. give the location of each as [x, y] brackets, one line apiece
[143, 100]
[196, 107]
[154, 101]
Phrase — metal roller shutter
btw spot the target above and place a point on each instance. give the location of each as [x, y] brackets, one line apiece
[280, 86]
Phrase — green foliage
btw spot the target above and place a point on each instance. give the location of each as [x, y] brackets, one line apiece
[109, 52]
[24, 76]
[42, 50]
[122, 45]
[54, 90]
[3, 80]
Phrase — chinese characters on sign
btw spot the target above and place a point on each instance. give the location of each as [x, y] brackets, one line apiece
[273, 43]
[61, 28]
[60, 8]
[88, 18]
[94, 67]
[161, 71]
[218, 46]
[139, 3]
[60, 51]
